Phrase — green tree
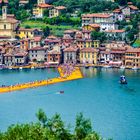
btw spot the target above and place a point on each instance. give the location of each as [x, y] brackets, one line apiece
[83, 127]
[46, 31]
[98, 36]
[41, 117]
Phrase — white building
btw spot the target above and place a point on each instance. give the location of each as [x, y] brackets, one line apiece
[38, 54]
[106, 21]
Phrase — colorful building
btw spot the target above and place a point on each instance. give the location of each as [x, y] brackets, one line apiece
[8, 24]
[132, 57]
[29, 33]
[38, 11]
[56, 11]
[91, 27]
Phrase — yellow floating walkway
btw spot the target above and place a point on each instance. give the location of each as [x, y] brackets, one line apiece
[76, 74]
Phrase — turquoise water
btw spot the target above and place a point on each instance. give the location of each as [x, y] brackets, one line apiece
[113, 108]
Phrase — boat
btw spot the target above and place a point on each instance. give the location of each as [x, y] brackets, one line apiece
[10, 68]
[61, 92]
[135, 68]
[107, 66]
[20, 68]
[122, 67]
[123, 80]
[32, 67]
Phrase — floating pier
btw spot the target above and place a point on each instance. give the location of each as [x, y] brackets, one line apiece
[75, 74]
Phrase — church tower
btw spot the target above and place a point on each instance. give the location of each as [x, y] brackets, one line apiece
[4, 12]
[41, 1]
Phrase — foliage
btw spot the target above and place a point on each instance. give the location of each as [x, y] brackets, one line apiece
[51, 129]
[46, 31]
[98, 36]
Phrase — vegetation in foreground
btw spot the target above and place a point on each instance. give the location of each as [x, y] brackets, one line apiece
[51, 129]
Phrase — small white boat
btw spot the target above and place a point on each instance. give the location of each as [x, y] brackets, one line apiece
[20, 68]
[135, 68]
[10, 68]
[107, 66]
[32, 67]
[122, 67]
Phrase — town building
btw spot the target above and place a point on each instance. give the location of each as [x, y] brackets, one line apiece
[56, 11]
[116, 35]
[38, 54]
[38, 11]
[132, 57]
[88, 56]
[8, 24]
[24, 33]
[106, 21]
[71, 55]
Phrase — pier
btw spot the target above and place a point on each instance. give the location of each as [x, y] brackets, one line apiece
[75, 74]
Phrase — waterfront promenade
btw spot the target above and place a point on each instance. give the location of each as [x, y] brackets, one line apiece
[65, 75]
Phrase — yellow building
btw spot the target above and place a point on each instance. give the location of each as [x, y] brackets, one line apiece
[29, 33]
[91, 27]
[8, 24]
[88, 43]
[38, 11]
[56, 11]
[88, 56]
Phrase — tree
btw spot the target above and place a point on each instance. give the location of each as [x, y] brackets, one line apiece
[98, 36]
[46, 31]
[121, 2]
[83, 127]
[41, 117]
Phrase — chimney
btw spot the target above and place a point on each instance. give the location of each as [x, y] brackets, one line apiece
[4, 12]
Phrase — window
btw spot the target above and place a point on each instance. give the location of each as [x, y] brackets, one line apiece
[4, 26]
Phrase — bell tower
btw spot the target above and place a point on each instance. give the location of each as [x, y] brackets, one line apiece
[4, 12]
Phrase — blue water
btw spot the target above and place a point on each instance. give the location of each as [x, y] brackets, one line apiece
[114, 109]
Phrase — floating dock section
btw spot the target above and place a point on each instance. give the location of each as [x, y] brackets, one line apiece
[75, 74]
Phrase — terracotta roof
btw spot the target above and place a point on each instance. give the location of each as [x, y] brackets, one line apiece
[43, 5]
[54, 52]
[51, 37]
[12, 20]
[133, 7]
[104, 52]
[8, 55]
[37, 49]
[37, 39]
[98, 15]
[23, 1]
[88, 50]
[129, 3]
[133, 50]
[28, 29]
[21, 54]
[69, 31]
[5, 1]
[117, 51]
[95, 25]
[70, 49]
[115, 31]
[60, 7]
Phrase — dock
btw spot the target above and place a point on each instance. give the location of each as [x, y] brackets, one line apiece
[75, 74]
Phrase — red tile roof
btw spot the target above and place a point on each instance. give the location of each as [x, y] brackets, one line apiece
[21, 54]
[94, 25]
[60, 7]
[115, 31]
[70, 49]
[98, 15]
[54, 52]
[133, 7]
[37, 39]
[43, 5]
[133, 50]
[5, 1]
[37, 49]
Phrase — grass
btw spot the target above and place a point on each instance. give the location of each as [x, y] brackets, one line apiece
[55, 29]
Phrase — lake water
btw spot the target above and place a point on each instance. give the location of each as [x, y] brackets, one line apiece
[114, 109]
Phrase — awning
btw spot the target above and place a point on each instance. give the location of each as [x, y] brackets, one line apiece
[115, 62]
